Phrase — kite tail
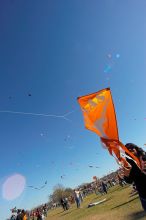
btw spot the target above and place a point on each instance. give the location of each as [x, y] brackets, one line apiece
[132, 156]
[120, 152]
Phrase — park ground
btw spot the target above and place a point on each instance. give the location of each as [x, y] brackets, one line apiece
[119, 205]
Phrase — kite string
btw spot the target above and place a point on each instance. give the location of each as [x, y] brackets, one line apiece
[40, 114]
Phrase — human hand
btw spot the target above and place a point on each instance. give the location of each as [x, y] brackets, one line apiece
[125, 171]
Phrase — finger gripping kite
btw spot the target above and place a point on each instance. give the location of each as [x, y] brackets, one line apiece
[100, 117]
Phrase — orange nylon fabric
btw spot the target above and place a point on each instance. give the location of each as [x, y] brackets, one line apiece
[117, 149]
[100, 117]
[99, 114]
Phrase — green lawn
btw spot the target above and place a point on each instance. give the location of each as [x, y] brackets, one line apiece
[118, 206]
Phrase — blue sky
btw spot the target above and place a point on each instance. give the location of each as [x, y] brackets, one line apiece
[57, 51]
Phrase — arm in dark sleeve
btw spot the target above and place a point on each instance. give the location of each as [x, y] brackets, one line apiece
[128, 179]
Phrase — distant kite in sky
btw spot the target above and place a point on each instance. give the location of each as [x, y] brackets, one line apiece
[29, 94]
[43, 185]
[62, 177]
[38, 188]
[100, 117]
[92, 166]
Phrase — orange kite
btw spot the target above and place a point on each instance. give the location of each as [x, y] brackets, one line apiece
[100, 117]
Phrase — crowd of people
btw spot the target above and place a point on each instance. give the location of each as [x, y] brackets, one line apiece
[36, 214]
[134, 175]
[78, 195]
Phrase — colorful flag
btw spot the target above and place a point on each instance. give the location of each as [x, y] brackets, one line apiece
[100, 117]
[95, 178]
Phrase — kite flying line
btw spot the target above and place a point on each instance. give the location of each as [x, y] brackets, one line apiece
[41, 114]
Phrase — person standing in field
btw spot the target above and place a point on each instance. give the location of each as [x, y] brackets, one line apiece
[19, 215]
[62, 203]
[77, 197]
[104, 187]
[24, 215]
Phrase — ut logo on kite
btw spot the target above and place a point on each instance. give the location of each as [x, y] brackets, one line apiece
[92, 103]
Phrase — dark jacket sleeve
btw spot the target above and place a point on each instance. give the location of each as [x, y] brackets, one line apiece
[130, 178]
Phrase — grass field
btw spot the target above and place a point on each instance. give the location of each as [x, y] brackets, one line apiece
[119, 205]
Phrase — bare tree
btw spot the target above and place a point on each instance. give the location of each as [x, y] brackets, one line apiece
[59, 191]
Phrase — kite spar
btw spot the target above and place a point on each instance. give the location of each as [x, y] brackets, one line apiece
[100, 117]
